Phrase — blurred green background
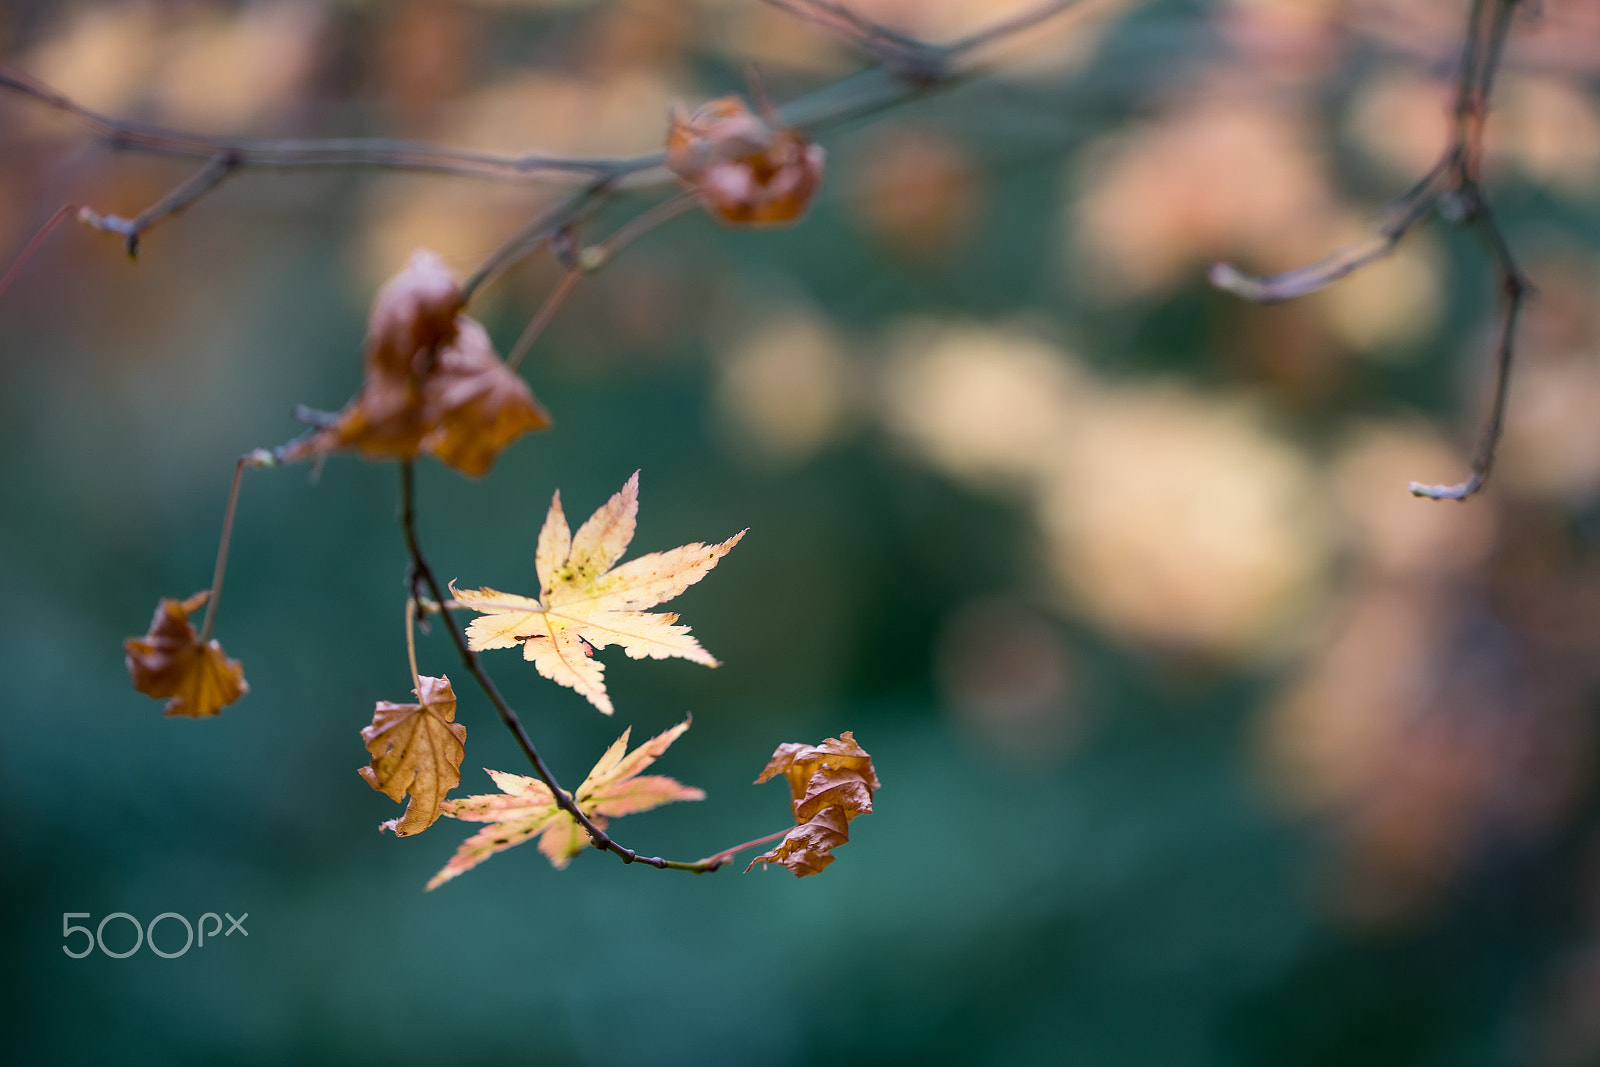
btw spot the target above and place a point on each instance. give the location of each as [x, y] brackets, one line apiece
[1201, 741]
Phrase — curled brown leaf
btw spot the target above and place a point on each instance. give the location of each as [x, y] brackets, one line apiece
[431, 382]
[416, 749]
[169, 661]
[831, 784]
[746, 170]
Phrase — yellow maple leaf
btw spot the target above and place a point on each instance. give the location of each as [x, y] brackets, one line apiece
[416, 749]
[587, 602]
[525, 806]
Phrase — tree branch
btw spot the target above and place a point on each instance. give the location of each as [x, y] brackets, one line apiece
[1514, 290]
[913, 67]
[1450, 190]
[208, 178]
[422, 572]
[294, 154]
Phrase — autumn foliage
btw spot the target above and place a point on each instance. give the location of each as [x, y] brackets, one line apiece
[831, 784]
[587, 602]
[197, 679]
[432, 382]
[525, 807]
[416, 749]
[434, 385]
[745, 169]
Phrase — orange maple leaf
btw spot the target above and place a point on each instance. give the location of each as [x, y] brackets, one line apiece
[169, 661]
[586, 601]
[431, 382]
[831, 784]
[416, 749]
[525, 806]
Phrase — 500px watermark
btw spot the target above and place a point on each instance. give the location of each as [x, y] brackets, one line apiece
[143, 935]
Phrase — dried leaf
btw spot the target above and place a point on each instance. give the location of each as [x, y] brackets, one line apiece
[170, 661]
[525, 806]
[831, 784]
[585, 604]
[432, 382]
[477, 404]
[416, 749]
[745, 170]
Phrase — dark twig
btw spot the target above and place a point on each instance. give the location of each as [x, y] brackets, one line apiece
[909, 57]
[1514, 290]
[1025, 20]
[292, 154]
[920, 63]
[591, 259]
[1452, 191]
[541, 228]
[913, 66]
[1415, 207]
[421, 571]
[208, 178]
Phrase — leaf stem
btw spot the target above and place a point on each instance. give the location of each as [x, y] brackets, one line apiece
[542, 317]
[221, 568]
[411, 645]
[592, 259]
[717, 859]
[33, 245]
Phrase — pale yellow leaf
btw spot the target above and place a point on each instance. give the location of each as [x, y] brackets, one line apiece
[562, 657]
[587, 602]
[555, 545]
[525, 806]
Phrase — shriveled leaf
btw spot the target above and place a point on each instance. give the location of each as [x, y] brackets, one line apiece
[170, 662]
[431, 381]
[416, 749]
[746, 170]
[479, 404]
[587, 602]
[525, 806]
[830, 784]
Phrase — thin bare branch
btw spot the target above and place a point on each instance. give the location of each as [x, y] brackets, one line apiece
[841, 19]
[912, 67]
[1025, 20]
[340, 152]
[208, 178]
[534, 233]
[1417, 207]
[908, 57]
[1514, 290]
[1450, 190]
[590, 260]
